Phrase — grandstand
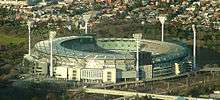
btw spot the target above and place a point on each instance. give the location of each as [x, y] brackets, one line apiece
[107, 60]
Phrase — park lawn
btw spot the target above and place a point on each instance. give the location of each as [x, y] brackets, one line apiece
[218, 48]
[7, 39]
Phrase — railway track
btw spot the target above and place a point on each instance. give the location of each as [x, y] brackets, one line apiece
[164, 86]
[136, 83]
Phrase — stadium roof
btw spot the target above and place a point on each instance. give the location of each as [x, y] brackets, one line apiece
[111, 48]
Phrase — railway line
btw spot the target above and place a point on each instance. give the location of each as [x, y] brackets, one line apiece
[135, 83]
[158, 89]
[168, 84]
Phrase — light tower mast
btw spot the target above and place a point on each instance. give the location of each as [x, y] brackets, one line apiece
[137, 38]
[43, 2]
[162, 21]
[69, 26]
[194, 47]
[86, 19]
[29, 24]
[52, 34]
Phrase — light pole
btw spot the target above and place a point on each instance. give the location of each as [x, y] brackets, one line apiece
[194, 47]
[69, 26]
[44, 2]
[86, 27]
[162, 21]
[137, 38]
[86, 19]
[29, 24]
[142, 23]
[52, 34]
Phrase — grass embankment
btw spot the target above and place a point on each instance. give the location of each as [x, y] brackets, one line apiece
[8, 39]
[12, 55]
[218, 48]
[15, 47]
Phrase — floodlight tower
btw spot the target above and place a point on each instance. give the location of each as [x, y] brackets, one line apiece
[43, 2]
[162, 21]
[86, 19]
[137, 38]
[194, 47]
[29, 24]
[52, 34]
[142, 23]
[69, 26]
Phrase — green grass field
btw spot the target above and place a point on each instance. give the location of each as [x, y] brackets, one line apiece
[218, 48]
[7, 39]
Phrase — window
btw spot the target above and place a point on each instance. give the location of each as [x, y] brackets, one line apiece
[120, 62]
[73, 78]
[109, 76]
[74, 73]
[38, 67]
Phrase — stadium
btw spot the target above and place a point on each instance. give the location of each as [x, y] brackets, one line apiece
[107, 60]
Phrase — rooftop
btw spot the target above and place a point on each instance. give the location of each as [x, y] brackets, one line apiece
[108, 48]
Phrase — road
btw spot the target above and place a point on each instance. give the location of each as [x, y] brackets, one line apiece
[210, 70]
[14, 2]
